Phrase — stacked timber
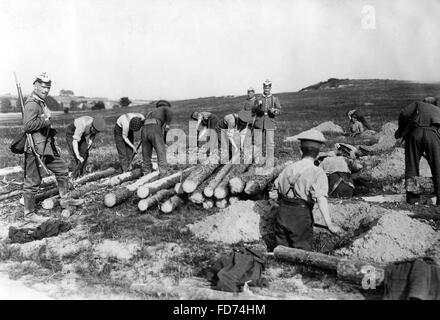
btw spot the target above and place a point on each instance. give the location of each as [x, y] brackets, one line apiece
[259, 182]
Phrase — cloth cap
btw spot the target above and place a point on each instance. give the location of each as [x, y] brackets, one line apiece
[136, 124]
[312, 135]
[162, 103]
[245, 116]
[99, 123]
[44, 79]
[251, 89]
[194, 115]
[267, 83]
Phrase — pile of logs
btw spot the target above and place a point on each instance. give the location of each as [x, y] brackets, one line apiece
[207, 185]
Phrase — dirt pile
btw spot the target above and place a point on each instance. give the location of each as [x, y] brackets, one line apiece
[327, 126]
[395, 237]
[385, 138]
[351, 215]
[391, 165]
[115, 249]
[238, 222]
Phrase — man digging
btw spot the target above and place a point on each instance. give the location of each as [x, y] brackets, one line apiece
[297, 188]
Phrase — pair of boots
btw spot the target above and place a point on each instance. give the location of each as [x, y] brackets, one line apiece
[30, 212]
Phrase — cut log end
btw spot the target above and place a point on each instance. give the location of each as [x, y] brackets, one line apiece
[221, 204]
[171, 204]
[189, 186]
[208, 204]
[220, 193]
[208, 192]
[110, 200]
[143, 192]
[237, 185]
[197, 198]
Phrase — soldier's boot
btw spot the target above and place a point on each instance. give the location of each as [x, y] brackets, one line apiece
[163, 172]
[30, 213]
[66, 201]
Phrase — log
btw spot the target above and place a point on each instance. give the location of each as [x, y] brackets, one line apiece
[353, 271]
[10, 170]
[95, 176]
[420, 185]
[164, 183]
[10, 194]
[197, 196]
[259, 182]
[237, 184]
[198, 176]
[150, 177]
[221, 204]
[161, 195]
[222, 190]
[213, 183]
[124, 177]
[46, 194]
[171, 204]
[123, 193]
[208, 204]
[51, 202]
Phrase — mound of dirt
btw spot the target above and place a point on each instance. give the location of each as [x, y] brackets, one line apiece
[395, 237]
[238, 222]
[385, 138]
[116, 249]
[391, 165]
[351, 215]
[327, 126]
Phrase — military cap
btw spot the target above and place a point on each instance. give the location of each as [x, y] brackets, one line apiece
[43, 79]
[267, 83]
[312, 135]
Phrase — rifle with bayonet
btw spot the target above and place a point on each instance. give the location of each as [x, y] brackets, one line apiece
[29, 139]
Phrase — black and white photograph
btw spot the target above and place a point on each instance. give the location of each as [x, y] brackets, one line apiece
[241, 152]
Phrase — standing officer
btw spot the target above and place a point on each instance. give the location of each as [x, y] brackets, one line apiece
[419, 125]
[124, 130]
[153, 136]
[266, 108]
[79, 136]
[37, 122]
[298, 187]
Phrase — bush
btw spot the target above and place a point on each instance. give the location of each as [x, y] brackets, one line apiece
[98, 106]
[124, 102]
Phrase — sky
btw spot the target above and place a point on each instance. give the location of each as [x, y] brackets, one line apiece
[178, 49]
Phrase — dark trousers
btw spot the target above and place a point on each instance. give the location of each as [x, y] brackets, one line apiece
[32, 178]
[423, 141]
[125, 152]
[75, 165]
[152, 137]
[294, 224]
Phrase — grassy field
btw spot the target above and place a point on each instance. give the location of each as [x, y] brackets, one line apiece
[381, 101]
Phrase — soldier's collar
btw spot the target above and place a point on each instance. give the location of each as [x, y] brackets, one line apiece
[36, 97]
[267, 96]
